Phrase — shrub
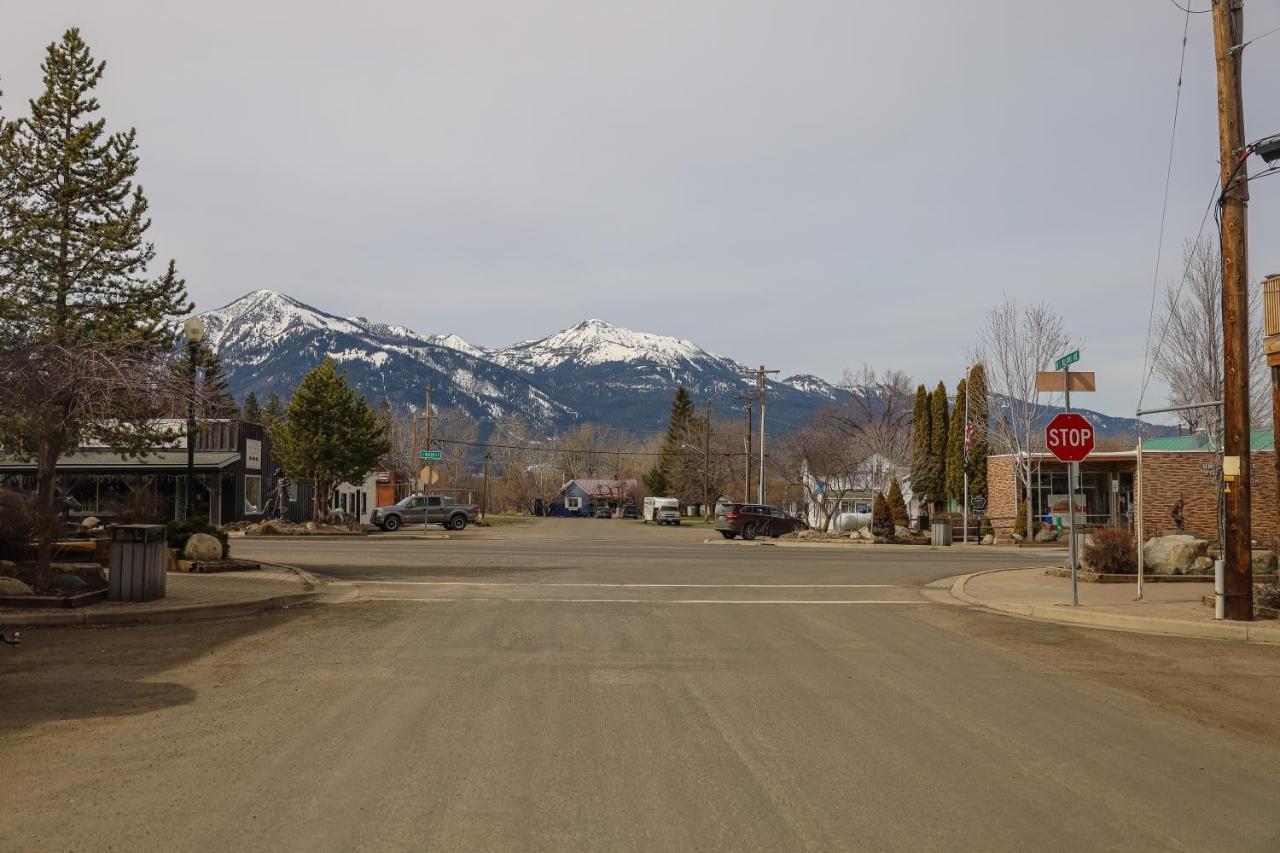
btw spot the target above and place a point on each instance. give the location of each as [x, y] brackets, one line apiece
[881, 517]
[137, 506]
[1268, 596]
[1112, 550]
[1020, 521]
[898, 506]
[178, 531]
[19, 521]
[268, 529]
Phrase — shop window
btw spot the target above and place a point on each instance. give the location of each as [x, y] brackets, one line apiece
[252, 494]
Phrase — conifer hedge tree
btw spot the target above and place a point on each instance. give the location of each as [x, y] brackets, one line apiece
[330, 435]
[980, 417]
[921, 465]
[938, 447]
[955, 446]
[881, 518]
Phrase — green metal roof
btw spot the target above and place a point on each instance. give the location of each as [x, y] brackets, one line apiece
[1259, 440]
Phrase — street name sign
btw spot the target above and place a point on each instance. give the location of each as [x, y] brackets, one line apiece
[1069, 436]
[430, 454]
[1070, 358]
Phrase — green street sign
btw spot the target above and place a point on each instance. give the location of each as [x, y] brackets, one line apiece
[1069, 358]
[430, 454]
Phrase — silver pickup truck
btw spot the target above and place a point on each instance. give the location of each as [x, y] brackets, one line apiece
[424, 509]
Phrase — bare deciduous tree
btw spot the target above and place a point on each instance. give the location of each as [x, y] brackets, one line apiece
[1015, 343]
[878, 411]
[1188, 358]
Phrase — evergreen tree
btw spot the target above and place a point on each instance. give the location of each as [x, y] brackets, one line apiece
[274, 411]
[655, 482]
[251, 411]
[921, 466]
[683, 474]
[898, 506]
[955, 447]
[330, 435]
[979, 417]
[75, 262]
[938, 447]
[881, 518]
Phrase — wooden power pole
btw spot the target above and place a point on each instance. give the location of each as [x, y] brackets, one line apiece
[1228, 31]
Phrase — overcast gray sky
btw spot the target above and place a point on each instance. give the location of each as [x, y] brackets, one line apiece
[809, 184]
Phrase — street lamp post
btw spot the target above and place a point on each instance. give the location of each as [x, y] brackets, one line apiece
[193, 330]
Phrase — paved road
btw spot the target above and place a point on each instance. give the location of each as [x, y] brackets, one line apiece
[533, 716]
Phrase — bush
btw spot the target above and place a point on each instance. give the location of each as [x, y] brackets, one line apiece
[1020, 521]
[881, 517]
[137, 506]
[1268, 596]
[177, 532]
[1112, 550]
[19, 522]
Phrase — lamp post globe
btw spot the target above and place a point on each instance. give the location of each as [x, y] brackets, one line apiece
[193, 330]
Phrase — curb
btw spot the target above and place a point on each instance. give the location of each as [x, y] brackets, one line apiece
[1063, 615]
[182, 613]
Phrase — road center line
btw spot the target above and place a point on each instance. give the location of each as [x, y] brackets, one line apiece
[637, 585]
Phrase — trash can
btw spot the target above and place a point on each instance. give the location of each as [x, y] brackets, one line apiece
[137, 565]
[940, 533]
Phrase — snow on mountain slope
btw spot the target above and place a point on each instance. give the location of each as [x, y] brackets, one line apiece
[594, 342]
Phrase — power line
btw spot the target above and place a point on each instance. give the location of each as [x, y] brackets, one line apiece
[1245, 44]
[1164, 205]
[1190, 11]
[582, 450]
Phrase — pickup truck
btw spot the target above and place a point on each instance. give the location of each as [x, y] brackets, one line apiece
[424, 509]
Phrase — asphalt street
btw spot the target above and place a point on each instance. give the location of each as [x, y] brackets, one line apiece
[600, 685]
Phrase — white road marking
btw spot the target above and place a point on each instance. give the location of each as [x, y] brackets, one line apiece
[639, 585]
[650, 600]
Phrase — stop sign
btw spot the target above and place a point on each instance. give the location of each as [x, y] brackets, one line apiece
[1069, 437]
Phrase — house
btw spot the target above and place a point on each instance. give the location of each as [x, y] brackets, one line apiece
[835, 495]
[1176, 468]
[579, 497]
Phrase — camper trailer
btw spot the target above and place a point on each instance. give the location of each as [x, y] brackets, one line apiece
[661, 511]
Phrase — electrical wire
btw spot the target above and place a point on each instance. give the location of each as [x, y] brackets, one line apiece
[1190, 11]
[1245, 44]
[1164, 204]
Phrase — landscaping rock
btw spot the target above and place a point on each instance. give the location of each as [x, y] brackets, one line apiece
[1264, 561]
[13, 586]
[1017, 537]
[903, 534]
[90, 523]
[70, 582]
[1174, 554]
[310, 527]
[93, 574]
[865, 533]
[1047, 535]
[1202, 566]
[202, 547]
[989, 539]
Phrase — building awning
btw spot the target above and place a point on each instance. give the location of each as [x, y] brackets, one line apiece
[101, 462]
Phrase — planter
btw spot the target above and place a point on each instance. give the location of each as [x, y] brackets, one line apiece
[1090, 576]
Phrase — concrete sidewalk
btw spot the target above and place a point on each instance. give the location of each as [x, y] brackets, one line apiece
[1174, 609]
[188, 598]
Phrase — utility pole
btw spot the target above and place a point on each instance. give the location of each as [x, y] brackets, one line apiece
[746, 488]
[484, 498]
[427, 446]
[1228, 32]
[760, 387]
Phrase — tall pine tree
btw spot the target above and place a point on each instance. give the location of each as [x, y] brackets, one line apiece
[979, 416]
[75, 261]
[938, 447]
[329, 436]
[921, 465]
[955, 447]
[681, 473]
[274, 411]
[251, 411]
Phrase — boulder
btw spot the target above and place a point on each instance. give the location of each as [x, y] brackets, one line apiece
[70, 582]
[1202, 566]
[903, 534]
[989, 539]
[1017, 537]
[1048, 534]
[1174, 554]
[13, 586]
[90, 523]
[203, 548]
[310, 527]
[92, 574]
[1264, 561]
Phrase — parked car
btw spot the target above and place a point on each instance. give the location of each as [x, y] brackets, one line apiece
[752, 520]
[630, 511]
[424, 509]
[661, 510]
[602, 511]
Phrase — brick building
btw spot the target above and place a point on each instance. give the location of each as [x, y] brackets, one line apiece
[1178, 467]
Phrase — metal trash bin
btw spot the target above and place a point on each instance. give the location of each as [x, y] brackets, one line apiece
[138, 562]
[940, 533]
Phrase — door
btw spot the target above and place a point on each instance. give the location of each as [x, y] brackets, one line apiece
[435, 510]
[414, 512]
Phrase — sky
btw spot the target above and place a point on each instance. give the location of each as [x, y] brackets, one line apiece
[810, 185]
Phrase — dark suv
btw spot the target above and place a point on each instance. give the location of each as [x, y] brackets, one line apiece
[752, 520]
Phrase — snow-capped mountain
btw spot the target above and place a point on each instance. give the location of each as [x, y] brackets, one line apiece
[593, 372]
[268, 341]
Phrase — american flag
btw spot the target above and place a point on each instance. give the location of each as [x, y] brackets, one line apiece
[968, 437]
